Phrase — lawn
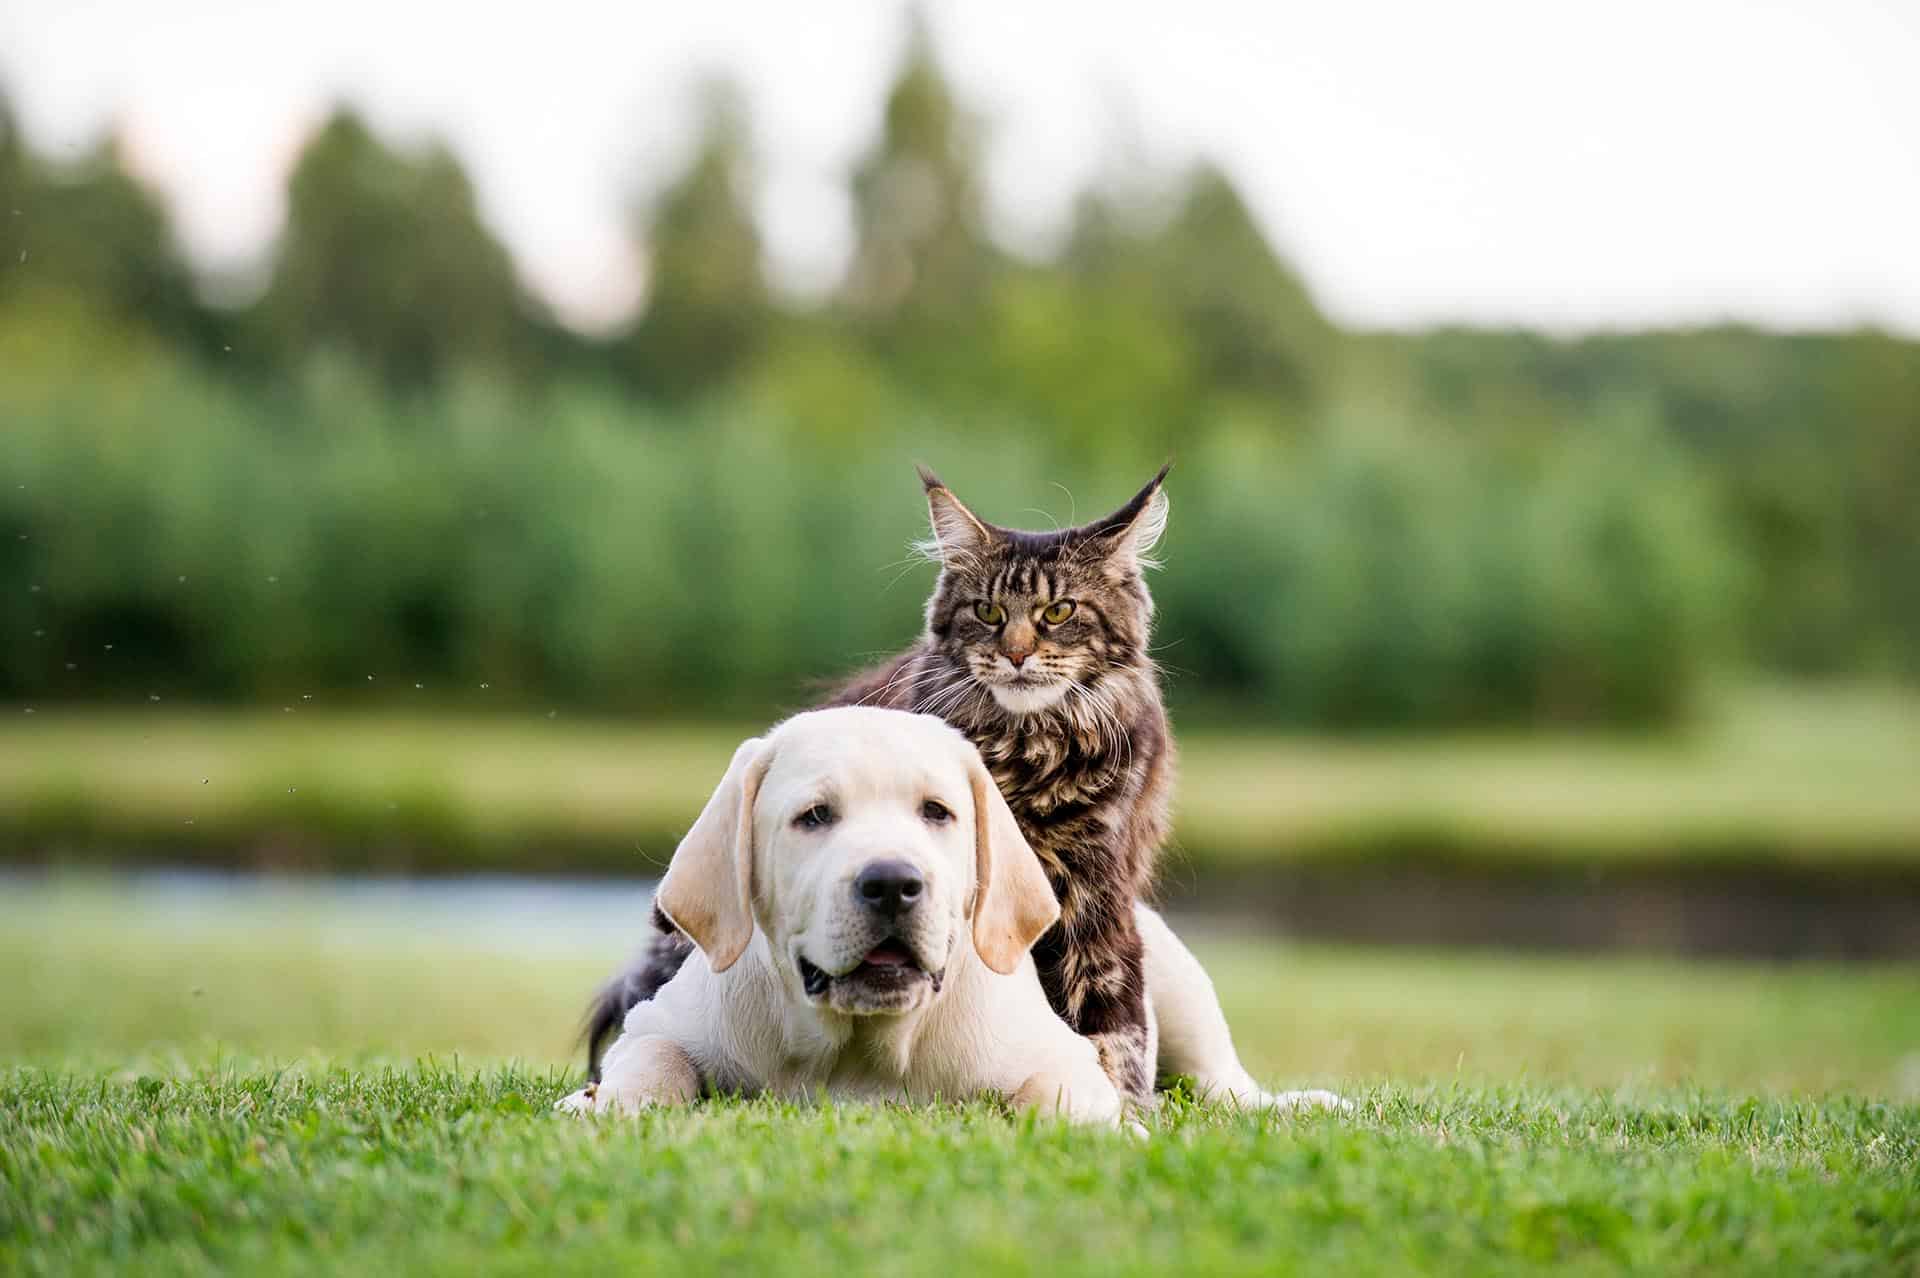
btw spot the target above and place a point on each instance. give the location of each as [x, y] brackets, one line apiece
[1766, 778]
[323, 1083]
[441, 1170]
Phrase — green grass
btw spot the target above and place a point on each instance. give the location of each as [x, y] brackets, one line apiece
[438, 1170]
[297, 1090]
[1765, 779]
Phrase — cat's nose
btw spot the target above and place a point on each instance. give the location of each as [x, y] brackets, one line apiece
[1018, 658]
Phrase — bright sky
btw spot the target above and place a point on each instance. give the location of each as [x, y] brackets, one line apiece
[1563, 165]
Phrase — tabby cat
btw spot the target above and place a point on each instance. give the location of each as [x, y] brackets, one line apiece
[1036, 648]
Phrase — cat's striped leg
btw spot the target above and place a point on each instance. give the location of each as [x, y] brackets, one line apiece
[1096, 981]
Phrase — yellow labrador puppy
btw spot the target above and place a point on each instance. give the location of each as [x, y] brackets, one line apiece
[863, 903]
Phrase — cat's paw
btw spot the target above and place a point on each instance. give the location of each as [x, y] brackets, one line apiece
[1313, 1098]
[1245, 1094]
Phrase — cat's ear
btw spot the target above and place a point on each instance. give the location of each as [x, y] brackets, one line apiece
[959, 535]
[1130, 533]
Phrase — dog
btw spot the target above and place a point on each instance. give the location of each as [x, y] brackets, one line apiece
[863, 903]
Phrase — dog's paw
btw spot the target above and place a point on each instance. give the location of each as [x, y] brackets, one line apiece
[580, 1102]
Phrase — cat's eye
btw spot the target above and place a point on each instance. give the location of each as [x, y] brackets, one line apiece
[991, 613]
[1057, 612]
[817, 817]
[937, 812]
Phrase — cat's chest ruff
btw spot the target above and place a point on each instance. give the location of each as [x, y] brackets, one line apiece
[1040, 770]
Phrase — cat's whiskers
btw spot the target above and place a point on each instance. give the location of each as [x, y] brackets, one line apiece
[1112, 730]
[947, 698]
[1105, 718]
[908, 672]
[947, 701]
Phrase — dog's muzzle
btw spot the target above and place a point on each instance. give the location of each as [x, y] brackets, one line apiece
[885, 979]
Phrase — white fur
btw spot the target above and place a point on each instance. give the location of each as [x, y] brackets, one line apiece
[752, 1027]
[1193, 1036]
[1016, 699]
[1148, 528]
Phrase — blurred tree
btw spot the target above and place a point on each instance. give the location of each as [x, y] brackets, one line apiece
[385, 257]
[13, 172]
[1873, 379]
[708, 313]
[1097, 360]
[1251, 327]
[1812, 444]
[922, 263]
[86, 238]
[1561, 568]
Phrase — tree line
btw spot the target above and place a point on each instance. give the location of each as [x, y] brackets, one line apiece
[1449, 526]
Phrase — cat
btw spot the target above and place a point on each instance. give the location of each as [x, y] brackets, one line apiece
[1036, 647]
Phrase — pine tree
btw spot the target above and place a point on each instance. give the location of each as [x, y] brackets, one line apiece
[384, 256]
[707, 312]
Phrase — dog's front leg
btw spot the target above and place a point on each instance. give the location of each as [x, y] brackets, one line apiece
[640, 1071]
[1079, 1096]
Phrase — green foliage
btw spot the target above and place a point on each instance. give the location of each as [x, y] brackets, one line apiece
[922, 260]
[1229, 299]
[1810, 444]
[84, 236]
[707, 311]
[1378, 579]
[384, 258]
[231, 546]
[1375, 530]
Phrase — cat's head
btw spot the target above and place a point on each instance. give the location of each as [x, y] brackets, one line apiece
[1030, 616]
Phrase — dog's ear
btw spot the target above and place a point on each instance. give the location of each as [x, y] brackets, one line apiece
[1013, 902]
[708, 888]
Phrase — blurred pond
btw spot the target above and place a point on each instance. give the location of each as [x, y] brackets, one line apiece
[496, 914]
[157, 972]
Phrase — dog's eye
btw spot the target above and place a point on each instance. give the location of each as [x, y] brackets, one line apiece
[991, 613]
[1058, 612]
[936, 812]
[816, 817]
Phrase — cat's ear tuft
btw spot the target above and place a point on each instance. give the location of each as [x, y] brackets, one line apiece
[1133, 530]
[959, 536]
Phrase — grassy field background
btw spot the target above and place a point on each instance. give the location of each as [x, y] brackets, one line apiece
[1765, 778]
[299, 1081]
[107, 976]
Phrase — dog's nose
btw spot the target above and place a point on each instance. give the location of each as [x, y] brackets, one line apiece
[890, 887]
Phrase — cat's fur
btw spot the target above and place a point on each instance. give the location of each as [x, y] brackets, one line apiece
[1075, 736]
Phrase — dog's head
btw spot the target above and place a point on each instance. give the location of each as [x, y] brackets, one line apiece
[862, 842]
